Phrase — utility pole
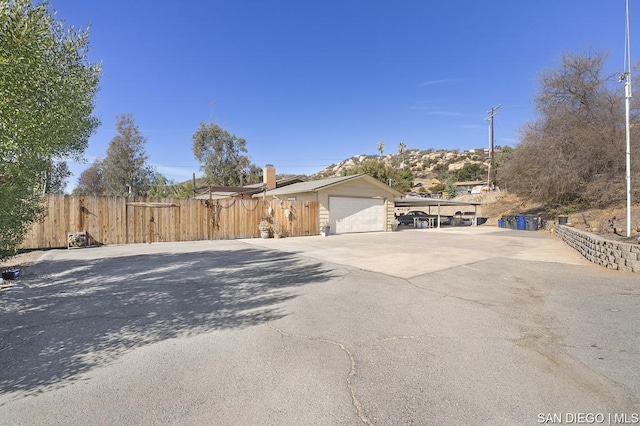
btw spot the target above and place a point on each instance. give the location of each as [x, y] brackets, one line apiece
[492, 158]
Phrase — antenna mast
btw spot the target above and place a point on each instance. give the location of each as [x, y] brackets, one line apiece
[626, 77]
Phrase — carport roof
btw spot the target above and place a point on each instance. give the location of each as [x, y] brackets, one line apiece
[425, 202]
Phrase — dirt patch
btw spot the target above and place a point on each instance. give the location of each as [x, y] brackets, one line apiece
[22, 260]
[505, 204]
[609, 223]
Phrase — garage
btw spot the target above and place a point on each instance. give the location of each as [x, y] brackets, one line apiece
[353, 203]
[356, 214]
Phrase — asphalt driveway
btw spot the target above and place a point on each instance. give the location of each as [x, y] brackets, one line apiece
[456, 326]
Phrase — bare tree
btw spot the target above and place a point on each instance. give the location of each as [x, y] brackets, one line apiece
[56, 177]
[574, 151]
[91, 180]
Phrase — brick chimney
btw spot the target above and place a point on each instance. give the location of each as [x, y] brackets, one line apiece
[269, 176]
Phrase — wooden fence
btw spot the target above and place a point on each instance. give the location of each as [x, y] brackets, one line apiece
[121, 220]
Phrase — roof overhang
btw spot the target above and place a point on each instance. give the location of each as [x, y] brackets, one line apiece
[323, 184]
[426, 202]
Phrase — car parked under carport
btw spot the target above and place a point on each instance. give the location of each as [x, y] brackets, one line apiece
[412, 216]
[438, 203]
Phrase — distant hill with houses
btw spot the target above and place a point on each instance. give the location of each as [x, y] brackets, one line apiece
[425, 164]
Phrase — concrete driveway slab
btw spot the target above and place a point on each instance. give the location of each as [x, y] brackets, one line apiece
[471, 326]
[412, 252]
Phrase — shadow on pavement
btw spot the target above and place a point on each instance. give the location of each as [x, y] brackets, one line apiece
[68, 317]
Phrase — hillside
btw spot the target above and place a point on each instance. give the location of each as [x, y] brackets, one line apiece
[428, 164]
[425, 165]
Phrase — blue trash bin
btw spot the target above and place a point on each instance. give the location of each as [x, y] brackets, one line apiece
[521, 223]
[499, 223]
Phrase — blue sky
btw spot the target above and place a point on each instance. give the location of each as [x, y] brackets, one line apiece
[308, 84]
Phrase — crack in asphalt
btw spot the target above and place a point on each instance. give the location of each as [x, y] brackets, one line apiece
[447, 295]
[352, 370]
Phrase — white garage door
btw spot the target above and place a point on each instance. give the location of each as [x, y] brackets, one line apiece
[356, 214]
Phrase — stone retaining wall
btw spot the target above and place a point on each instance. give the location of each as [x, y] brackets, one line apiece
[612, 254]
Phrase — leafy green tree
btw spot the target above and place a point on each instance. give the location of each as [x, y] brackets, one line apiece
[253, 174]
[167, 188]
[471, 172]
[450, 188]
[125, 168]
[222, 155]
[402, 180]
[47, 92]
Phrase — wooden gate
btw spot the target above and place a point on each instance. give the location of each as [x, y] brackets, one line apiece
[121, 220]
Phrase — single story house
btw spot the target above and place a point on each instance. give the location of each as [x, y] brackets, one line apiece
[469, 186]
[269, 181]
[356, 203]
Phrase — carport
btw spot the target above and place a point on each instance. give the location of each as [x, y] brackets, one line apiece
[437, 202]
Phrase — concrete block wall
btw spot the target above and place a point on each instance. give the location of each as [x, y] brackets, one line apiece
[607, 253]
